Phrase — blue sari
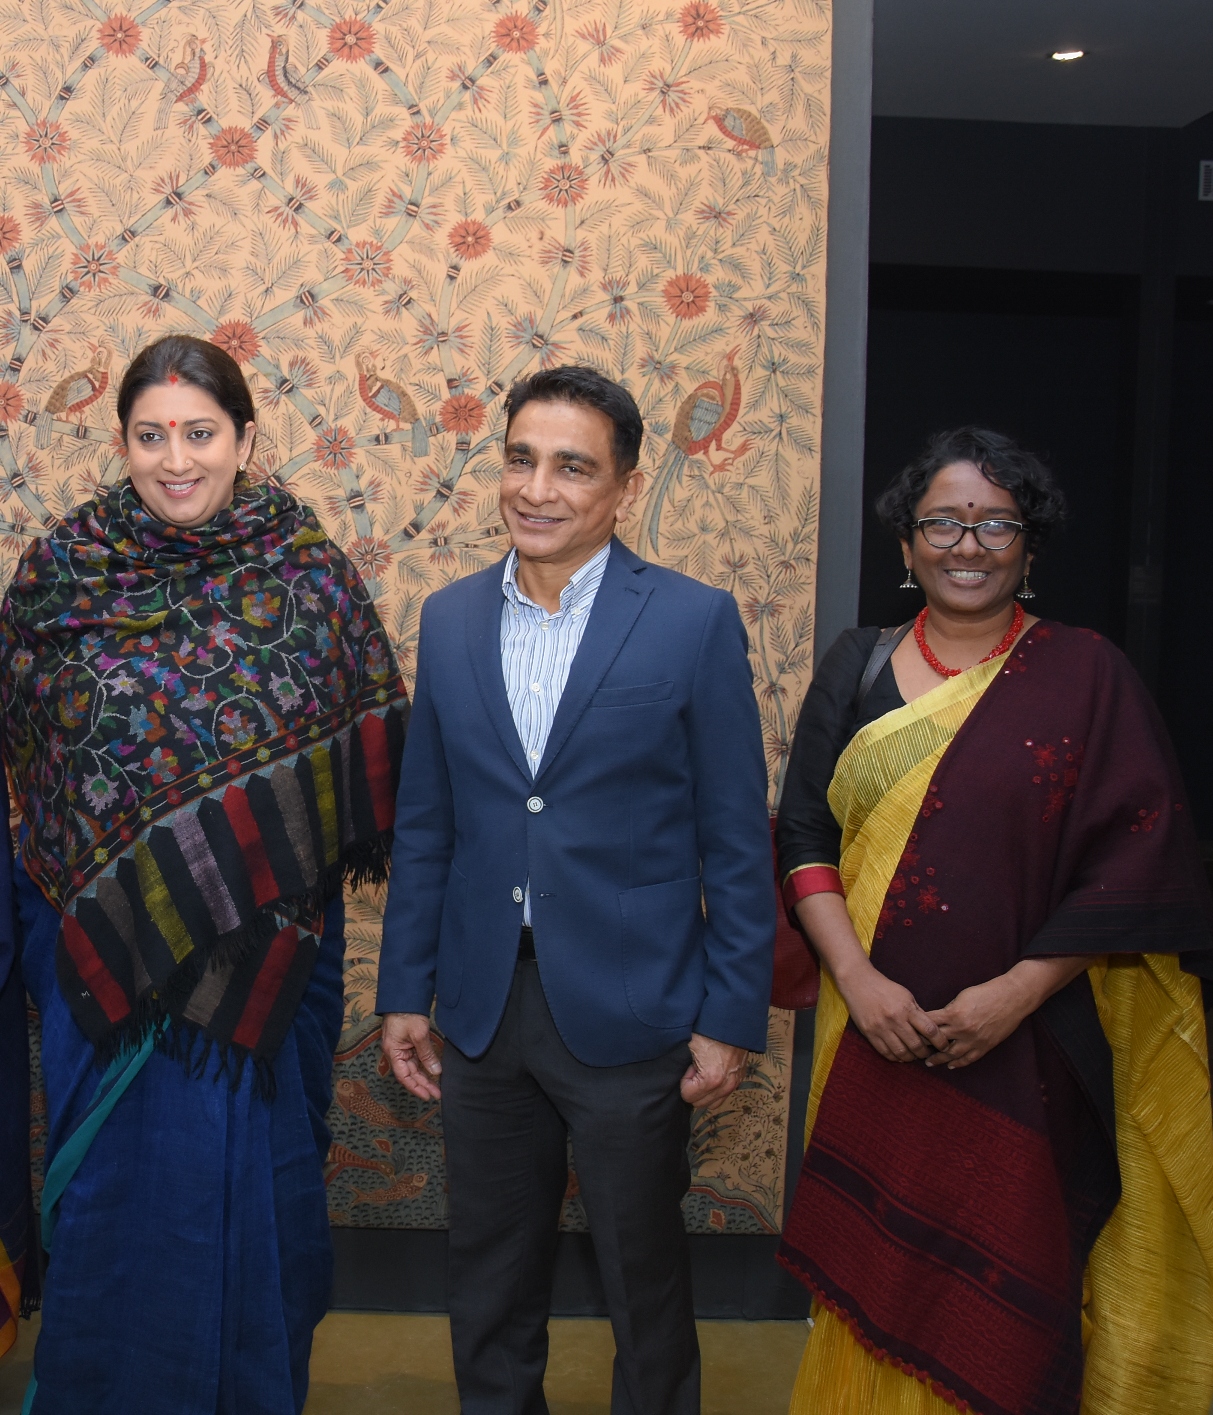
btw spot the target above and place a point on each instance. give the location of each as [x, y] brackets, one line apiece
[191, 1258]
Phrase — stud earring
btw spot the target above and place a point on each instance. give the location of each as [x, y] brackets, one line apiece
[909, 583]
[243, 467]
[1026, 592]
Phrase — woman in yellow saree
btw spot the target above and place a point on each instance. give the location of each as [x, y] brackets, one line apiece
[1006, 1202]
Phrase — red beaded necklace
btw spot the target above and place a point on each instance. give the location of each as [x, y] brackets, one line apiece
[920, 638]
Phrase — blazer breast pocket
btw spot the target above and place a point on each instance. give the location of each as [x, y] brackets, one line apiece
[638, 696]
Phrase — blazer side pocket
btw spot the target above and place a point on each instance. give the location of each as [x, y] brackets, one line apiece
[451, 936]
[663, 962]
[633, 697]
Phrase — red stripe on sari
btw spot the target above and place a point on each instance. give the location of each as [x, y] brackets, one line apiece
[266, 988]
[101, 982]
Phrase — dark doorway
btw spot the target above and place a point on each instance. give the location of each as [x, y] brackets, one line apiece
[1045, 357]
[1186, 672]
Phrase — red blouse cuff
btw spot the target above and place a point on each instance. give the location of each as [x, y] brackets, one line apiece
[810, 879]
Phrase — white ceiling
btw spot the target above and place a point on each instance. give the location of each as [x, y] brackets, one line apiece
[1148, 63]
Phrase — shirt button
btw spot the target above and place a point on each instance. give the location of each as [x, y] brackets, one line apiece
[534, 756]
[517, 894]
[535, 805]
[535, 688]
[545, 626]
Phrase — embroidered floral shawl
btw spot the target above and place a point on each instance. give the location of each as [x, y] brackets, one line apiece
[203, 730]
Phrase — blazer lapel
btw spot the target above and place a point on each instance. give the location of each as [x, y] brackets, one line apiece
[484, 649]
[619, 600]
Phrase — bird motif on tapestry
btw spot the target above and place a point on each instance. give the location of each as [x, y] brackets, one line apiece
[390, 400]
[71, 395]
[748, 133]
[286, 83]
[188, 76]
[702, 419]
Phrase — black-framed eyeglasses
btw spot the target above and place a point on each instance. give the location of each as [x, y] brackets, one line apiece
[944, 533]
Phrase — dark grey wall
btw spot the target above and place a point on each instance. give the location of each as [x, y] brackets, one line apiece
[840, 512]
[1037, 196]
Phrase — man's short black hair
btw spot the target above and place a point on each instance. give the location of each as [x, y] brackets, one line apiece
[575, 383]
[1000, 460]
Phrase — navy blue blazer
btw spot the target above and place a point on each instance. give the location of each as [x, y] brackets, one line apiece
[644, 833]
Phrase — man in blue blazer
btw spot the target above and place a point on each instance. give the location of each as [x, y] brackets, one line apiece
[581, 875]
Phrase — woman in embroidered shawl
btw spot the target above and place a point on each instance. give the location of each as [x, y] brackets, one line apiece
[203, 724]
[1006, 1202]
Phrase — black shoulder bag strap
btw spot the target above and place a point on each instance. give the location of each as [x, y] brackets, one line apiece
[888, 641]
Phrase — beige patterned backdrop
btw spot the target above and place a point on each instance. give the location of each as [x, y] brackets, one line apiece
[386, 215]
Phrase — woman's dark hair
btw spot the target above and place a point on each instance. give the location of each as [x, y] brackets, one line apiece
[574, 383]
[1000, 459]
[193, 361]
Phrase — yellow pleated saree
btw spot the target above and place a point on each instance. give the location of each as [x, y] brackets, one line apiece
[969, 1243]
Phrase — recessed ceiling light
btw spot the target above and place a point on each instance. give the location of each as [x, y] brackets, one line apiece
[1063, 56]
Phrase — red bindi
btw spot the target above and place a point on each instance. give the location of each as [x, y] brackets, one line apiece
[171, 423]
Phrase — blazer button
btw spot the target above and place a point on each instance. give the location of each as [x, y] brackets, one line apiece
[535, 804]
[517, 894]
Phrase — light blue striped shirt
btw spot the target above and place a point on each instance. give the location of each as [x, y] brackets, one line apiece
[537, 650]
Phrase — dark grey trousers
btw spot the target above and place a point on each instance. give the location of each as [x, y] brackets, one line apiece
[505, 1117]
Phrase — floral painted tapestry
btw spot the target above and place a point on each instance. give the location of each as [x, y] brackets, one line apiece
[386, 214]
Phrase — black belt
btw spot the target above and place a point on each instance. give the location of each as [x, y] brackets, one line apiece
[526, 944]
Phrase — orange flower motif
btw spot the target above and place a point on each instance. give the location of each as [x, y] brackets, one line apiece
[515, 34]
[45, 142]
[233, 147]
[238, 338]
[351, 39]
[334, 449]
[424, 142]
[371, 557]
[368, 265]
[94, 267]
[687, 296]
[564, 184]
[462, 413]
[12, 400]
[469, 239]
[10, 233]
[700, 20]
[119, 35]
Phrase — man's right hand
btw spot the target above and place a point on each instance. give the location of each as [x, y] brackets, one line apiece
[411, 1055]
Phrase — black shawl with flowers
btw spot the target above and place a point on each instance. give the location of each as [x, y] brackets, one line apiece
[203, 730]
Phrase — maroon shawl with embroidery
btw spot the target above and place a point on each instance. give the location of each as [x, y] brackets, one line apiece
[948, 1215]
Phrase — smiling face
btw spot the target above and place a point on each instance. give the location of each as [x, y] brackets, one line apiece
[968, 579]
[183, 453]
[560, 497]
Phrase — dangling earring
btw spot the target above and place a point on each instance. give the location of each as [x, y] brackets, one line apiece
[1026, 592]
[909, 583]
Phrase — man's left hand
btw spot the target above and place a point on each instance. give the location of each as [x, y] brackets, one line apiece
[715, 1071]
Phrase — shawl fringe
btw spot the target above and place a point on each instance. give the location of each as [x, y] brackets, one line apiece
[160, 1014]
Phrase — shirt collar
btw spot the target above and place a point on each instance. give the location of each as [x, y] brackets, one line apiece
[582, 586]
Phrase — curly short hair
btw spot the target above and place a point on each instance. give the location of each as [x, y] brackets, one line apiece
[1000, 460]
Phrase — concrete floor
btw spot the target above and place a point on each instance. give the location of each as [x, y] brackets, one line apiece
[373, 1363]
